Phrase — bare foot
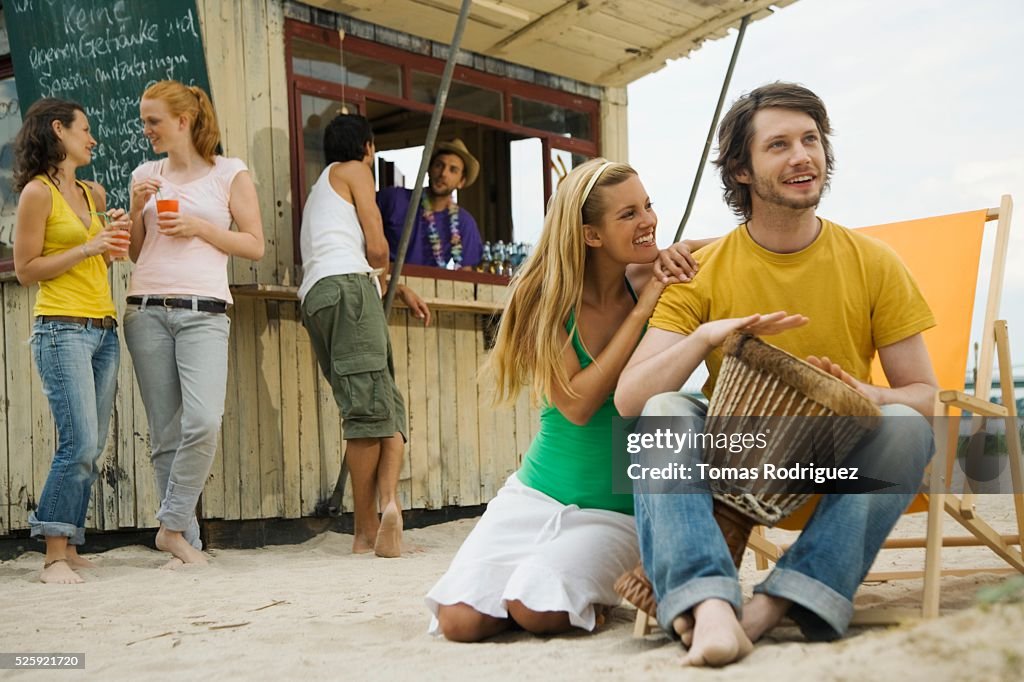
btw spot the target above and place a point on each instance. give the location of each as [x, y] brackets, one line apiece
[362, 544]
[683, 625]
[389, 537]
[75, 561]
[57, 572]
[175, 543]
[173, 564]
[762, 613]
[718, 638]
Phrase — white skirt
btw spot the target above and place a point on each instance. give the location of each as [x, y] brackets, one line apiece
[534, 549]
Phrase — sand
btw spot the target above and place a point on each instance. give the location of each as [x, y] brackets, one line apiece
[316, 611]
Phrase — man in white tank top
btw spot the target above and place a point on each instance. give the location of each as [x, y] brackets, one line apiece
[342, 244]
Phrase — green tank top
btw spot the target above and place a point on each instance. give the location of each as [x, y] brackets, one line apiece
[573, 464]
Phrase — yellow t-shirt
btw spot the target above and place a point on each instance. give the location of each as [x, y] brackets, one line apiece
[84, 290]
[856, 291]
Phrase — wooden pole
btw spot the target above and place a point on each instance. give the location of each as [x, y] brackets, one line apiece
[428, 148]
[714, 125]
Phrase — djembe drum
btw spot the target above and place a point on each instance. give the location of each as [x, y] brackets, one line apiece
[763, 388]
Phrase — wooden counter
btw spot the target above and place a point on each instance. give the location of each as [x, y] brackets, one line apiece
[281, 438]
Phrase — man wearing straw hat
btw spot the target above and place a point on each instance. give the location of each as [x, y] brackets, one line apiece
[444, 233]
[775, 159]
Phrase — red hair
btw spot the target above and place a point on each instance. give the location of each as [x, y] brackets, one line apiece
[193, 102]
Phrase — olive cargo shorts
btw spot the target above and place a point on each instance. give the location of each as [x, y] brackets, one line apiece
[344, 316]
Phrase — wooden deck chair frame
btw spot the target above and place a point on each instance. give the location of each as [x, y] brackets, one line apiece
[994, 343]
[1008, 547]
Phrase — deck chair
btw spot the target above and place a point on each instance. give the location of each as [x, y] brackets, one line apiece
[944, 253]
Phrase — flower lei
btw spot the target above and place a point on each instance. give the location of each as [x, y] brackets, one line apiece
[435, 238]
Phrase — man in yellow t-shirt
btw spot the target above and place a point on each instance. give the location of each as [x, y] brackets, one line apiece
[846, 296]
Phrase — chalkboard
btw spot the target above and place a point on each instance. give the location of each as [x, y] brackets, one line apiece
[103, 54]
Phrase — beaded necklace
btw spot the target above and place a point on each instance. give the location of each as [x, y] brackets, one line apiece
[435, 238]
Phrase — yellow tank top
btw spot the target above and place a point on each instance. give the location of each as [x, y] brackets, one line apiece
[84, 290]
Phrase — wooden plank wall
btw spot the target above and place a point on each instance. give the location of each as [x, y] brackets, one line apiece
[281, 444]
[282, 439]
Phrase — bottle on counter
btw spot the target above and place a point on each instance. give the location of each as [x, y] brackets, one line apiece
[518, 255]
[498, 258]
[485, 260]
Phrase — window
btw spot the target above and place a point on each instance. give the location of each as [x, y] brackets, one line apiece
[461, 96]
[551, 117]
[317, 112]
[517, 129]
[328, 63]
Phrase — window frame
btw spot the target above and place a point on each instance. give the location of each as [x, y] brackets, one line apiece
[408, 62]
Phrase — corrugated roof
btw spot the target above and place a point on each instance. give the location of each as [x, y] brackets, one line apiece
[604, 42]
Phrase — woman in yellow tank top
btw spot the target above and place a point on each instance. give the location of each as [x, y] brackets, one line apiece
[62, 243]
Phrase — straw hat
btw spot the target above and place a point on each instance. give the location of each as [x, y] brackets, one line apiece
[458, 147]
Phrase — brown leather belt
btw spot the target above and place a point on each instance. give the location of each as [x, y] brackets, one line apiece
[203, 306]
[98, 322]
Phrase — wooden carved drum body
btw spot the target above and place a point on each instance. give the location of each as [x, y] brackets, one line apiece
[802, 414]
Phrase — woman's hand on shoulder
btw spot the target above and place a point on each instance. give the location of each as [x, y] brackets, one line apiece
[676, 261]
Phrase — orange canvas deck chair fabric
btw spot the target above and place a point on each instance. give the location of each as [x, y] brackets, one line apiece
[944, 255]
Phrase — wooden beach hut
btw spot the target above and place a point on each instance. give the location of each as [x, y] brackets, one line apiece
[539, 85]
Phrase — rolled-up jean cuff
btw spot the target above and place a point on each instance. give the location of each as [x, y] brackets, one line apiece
[833, 609]
[683, 598]
[78, 538]
[192, 534]
[179, 506]
[52, 529]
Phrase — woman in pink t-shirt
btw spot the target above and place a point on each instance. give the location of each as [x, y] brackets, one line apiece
[176, 326]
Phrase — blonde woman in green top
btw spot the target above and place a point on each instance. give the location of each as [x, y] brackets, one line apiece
[549, 548]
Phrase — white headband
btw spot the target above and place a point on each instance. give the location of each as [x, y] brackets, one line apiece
[593, 180]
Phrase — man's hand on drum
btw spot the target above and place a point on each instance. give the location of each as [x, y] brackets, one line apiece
[714, 333]
[867, 390]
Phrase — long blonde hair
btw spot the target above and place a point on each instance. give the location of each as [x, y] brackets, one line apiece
[549, 286]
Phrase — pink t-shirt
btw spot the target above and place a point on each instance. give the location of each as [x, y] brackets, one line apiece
[193, 266]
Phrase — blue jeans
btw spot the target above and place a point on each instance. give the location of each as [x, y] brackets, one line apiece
[78, 368]
[181, 364]
[687, 559]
